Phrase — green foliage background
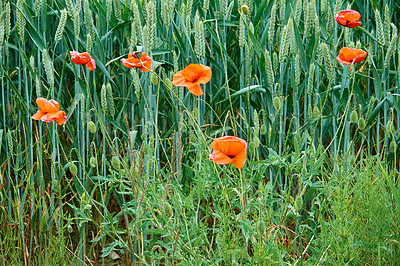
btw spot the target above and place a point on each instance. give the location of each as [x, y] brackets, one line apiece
[129, 173]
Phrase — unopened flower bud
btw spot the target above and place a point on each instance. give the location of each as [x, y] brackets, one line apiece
[277, 103]
[353, 117]
[245, 9]
[72, 168]
[115, 162]
[92, 127]
[361, 124]
[93, 162]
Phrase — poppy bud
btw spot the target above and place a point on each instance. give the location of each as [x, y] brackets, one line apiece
[390, 126]
[256, 141]
[353, 117]
[72, 168]
[115, 162]
[93, 162]
[361, 124]
[352, 159]
[393, 146]
[168, 209]
[277, 103]
[154, 79]
[245, 9]
[316, 112]
[168, 83]
[92, 127]
[263, 130]
[70, 229]
[298, 203]
[261, 227]
[195, 112]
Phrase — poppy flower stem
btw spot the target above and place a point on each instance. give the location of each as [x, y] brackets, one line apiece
[243, 194]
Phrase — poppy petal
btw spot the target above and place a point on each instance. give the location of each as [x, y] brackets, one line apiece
[220, 158]
[91, 65]
[47, 106]
[179, 79]
[38, 115]
[348, 18]
[80, 58]
[205, 76]
[195, 89]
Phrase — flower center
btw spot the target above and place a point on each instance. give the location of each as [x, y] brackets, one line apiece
[231, 156]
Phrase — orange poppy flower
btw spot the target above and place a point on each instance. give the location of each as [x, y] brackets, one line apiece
[144, 63]
[49, 111]
[228, 150]
[348, 18]
[83, 59]
[349, 56]
[192, 76]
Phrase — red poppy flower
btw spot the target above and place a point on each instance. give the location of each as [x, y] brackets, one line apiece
[349, 56]
[83, 59]
[192, 76]
[49, 111]
[144, 63]
[348, 18]
[228, 150]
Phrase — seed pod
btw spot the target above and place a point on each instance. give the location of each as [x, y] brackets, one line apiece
[72, 168]
[261, 227]
[115, 162]
[361, 124]
[92, 127]
[353, 117]
[277, 103]
[93, 162]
